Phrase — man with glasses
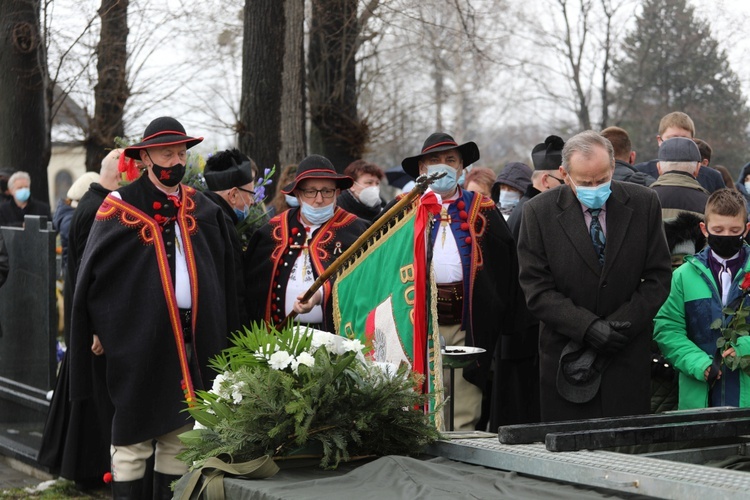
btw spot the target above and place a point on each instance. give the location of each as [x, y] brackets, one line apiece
[547, 158]
[595, 268]
[285, 256]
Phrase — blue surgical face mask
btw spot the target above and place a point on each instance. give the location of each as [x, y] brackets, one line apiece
[593, 197]
[317, 215]
[462, 179]
[509, 199]
[242, 214]
[446, 184]
[22, 194]
[292, 201]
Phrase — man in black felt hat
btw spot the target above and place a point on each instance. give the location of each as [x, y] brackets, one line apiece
[156, 286]
[476, 271]
[287, 255]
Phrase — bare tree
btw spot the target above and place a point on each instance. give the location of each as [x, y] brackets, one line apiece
[24, 131]
[293, 143]
[111, 91]
[432, 64]
[572, 55]
[337, 131]
[263, 49]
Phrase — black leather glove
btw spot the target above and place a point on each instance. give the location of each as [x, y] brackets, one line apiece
[606, 337]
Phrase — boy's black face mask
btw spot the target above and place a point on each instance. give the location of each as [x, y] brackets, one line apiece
[725, 246]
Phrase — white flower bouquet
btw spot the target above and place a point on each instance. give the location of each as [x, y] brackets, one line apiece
[301, 393]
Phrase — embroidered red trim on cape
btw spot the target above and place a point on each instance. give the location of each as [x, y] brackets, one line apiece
[149, 233]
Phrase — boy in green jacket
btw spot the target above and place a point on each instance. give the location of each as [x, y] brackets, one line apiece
[704, 285]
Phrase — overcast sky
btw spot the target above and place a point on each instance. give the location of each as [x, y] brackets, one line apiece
[729, 20]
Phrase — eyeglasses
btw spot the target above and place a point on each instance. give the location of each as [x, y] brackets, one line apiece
[313, 193]
[247, 191]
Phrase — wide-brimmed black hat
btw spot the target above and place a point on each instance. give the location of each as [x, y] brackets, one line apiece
[579, 373]
[440, 141]
[163, 131]
[548, 155]
[228, 169]
[318, 167]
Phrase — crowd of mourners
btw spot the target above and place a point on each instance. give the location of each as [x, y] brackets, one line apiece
[592, 283]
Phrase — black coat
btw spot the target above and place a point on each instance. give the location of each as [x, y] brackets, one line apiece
[514, 221]
[13, 215]
[625, 172]
[567, 290]
[82, 428]
[348, 202]
[125, 294]
[239, 282]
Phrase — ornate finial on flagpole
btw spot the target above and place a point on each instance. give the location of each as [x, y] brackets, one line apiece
[424, 181]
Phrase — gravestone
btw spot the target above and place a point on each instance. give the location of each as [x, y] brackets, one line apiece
[28, 330]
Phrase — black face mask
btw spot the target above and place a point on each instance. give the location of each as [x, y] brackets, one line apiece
[169, 176]
[725, 246]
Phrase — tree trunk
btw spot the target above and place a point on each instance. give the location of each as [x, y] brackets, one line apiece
[24, 113]
[263, 44]
[336, 130]
[293, 85]
[111, 91]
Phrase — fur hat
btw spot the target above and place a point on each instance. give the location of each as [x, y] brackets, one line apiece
[228, 169]
[81, 185]
[684, 236]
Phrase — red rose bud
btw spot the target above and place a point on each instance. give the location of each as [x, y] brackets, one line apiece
[745, 285]
[107, 478]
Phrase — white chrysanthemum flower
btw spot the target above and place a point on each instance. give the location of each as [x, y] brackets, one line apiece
[320, 339]
[351, 345]
[305, 358]
[280, 360]
[237, 391]
[218, 383]
[294, 365]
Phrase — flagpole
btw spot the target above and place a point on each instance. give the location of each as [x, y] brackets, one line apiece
[420, 186]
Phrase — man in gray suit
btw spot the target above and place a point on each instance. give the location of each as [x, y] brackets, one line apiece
[595, 268]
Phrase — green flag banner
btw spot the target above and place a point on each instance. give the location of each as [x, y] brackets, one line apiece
[386, 298]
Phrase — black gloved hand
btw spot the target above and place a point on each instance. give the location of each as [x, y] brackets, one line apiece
[606, 337]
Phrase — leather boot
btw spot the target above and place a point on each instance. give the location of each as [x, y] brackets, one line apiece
[127, 490]
[162, 485]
